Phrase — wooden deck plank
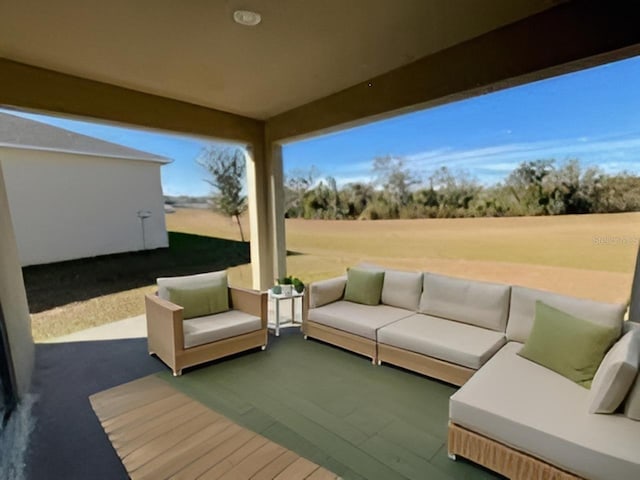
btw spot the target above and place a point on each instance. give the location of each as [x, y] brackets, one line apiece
[126, 445]
[158, 423]
[254, 462]
[235, 458]
[159, 432]
[164, 443]
[299, 469]
[321, 474]
[277, 465]
[131, 389]
[187, 451]
[144, 413]
[215, 456]
[119, 402]
[211, 452]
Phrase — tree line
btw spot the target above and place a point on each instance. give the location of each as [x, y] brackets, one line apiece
[534, 188]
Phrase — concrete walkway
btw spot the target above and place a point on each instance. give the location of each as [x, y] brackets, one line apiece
[136, 327]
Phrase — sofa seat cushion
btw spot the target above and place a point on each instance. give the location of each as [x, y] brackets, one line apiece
[362, 320]
[534, 410]
[210, 328]
[446, 340]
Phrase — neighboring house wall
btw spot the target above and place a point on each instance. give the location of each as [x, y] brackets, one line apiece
[66, 206]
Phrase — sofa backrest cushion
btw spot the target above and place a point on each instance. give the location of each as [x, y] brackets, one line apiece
[632, 403]
[402, 289]
[523, 306]
[615, 375]
[477, 303]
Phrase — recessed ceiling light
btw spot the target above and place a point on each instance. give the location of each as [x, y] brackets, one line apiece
[247, 18]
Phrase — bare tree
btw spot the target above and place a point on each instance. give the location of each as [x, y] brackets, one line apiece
[227, 166]
[395, 177]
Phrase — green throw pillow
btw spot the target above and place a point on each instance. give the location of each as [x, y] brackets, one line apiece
[568, 345]
[364, 286]
[202, 300]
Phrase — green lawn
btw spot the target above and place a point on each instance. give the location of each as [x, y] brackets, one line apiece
[68, 296]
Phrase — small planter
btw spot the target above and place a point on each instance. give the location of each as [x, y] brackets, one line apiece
[290, 285]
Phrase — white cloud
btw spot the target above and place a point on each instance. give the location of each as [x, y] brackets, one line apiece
[612, 154]
[492, 163]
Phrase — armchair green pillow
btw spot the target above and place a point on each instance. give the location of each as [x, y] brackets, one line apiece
[203, 300]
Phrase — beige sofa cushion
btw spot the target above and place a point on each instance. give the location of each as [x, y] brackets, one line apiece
[477, 303]
[326, 291]
[402, 289]
[632, 402]
[452, 342]
[189, 281]
[616, 374]
[362, 320]
[539, 412]
[201, 330]
[523, 306]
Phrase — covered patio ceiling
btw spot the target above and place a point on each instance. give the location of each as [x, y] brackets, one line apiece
[308, 67]
[193, 51]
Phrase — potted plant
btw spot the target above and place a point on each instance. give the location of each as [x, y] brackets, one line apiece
[288, 285]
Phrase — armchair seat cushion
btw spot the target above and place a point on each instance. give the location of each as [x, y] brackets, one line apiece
[211, 328]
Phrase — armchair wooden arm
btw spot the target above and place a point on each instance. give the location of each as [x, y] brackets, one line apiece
[164, 327]
[252, 302]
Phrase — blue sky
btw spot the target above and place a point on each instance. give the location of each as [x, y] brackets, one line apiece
[593, 115]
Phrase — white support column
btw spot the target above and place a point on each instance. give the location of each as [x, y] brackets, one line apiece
[277, 210]
[259, 218]
[14, 298]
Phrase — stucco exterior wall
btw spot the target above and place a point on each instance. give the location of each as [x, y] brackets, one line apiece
[67, 206]
[14, 299]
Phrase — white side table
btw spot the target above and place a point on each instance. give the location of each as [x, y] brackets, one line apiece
[277, 299]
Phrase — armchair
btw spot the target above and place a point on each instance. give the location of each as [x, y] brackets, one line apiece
[184, 342]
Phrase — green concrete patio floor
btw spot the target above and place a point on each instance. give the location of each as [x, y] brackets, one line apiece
[335, 408]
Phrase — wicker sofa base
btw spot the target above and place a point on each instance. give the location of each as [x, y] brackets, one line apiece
[429, 366]
[340, 338]
[500, 458]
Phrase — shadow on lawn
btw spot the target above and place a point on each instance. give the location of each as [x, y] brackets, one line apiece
[56, 284]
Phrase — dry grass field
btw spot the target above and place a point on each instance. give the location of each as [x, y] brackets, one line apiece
[589, 256]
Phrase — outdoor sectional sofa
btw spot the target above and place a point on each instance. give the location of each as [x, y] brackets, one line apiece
[511, 415]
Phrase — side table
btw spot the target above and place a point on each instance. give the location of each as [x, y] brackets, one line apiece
[277, 298]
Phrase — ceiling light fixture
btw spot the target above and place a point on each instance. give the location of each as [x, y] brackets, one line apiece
[247, 18]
